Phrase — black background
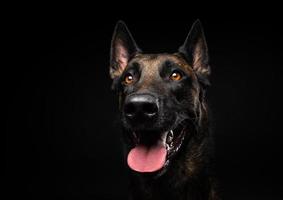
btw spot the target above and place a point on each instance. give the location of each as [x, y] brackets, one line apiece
[62, 137]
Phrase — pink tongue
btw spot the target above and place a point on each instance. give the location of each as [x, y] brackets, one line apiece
[147, 159]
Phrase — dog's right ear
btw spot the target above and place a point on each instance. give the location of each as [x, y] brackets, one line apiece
[123, 48]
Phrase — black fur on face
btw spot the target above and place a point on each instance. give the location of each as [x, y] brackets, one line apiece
[175, 98]
[168, 88]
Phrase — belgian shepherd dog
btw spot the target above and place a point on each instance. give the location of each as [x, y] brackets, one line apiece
[164, 117]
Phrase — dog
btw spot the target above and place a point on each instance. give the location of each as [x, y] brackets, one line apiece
[164, 117]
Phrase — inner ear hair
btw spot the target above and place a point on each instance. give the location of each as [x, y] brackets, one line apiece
[123, 48]
[195, 50]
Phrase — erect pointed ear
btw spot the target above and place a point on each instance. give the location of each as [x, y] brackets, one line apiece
[195, 50]
[123, 48]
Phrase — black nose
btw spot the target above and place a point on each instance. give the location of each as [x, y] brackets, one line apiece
[140, 106]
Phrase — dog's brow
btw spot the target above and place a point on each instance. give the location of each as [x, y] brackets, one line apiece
[170, 63]
[133, 65]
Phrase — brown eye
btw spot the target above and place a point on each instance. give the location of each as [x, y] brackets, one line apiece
[176, 76]
[128, 79]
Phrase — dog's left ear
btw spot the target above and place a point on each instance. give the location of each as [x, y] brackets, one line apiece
[195, 50]
[123, 48]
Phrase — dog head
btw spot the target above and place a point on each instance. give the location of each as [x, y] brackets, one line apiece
[161, 97]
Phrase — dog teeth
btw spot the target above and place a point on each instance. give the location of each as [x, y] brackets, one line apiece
[170, 138]
[136, 139]
[135, 135]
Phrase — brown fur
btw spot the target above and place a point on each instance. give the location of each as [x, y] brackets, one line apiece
[189, 174]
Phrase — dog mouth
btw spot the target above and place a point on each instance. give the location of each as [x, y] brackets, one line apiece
[152, 150]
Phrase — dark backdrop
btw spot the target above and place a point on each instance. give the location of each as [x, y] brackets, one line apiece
[62, 138]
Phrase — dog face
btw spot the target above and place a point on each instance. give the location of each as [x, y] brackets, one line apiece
[161, 97]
